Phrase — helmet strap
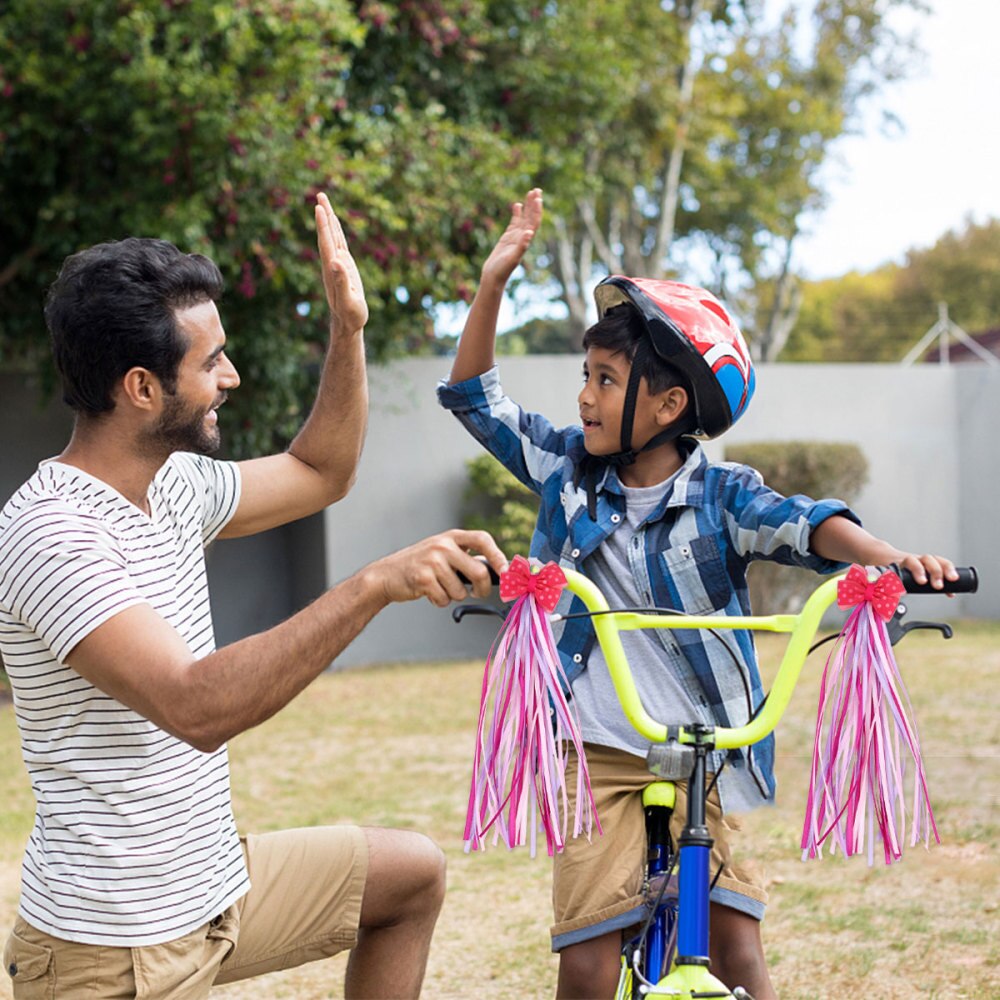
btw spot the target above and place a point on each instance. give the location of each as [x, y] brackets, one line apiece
[628, 454]
[640, 361]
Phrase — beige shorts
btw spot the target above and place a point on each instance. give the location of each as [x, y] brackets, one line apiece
[304, 904]
[597, 884]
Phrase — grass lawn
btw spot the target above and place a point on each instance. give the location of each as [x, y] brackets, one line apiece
[392, 746]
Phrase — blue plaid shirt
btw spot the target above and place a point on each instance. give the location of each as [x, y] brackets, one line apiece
[712, 521]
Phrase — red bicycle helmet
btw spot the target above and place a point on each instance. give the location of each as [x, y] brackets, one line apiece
[689, 328]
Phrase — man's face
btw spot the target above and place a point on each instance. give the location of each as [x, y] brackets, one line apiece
[189, 420]
[602, 400]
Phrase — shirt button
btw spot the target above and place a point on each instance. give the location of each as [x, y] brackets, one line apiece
[562, 499]
[578, 657]
[615, 518]
[575, 553]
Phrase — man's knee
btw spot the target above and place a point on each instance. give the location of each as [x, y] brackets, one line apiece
[406, 876]
[430, 868]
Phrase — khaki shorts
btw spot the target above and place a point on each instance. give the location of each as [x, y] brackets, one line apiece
[304, 904]
[597, 885]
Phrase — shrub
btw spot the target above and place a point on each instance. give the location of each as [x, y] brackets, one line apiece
[817, 469]
[495, 501]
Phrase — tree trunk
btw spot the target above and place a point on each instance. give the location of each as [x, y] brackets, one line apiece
[784, 310]
[671, 177]
[572, 264]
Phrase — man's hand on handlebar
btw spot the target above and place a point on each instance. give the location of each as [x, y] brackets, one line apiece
[440, 568]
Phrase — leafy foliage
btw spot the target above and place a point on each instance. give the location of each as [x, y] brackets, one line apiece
[880, 315]
[215, 125]
[651, 125]
[497, 502]
[666, 129]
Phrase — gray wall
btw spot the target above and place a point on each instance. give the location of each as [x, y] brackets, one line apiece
[931, 434]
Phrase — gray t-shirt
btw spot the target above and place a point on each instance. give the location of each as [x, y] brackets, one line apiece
[619, 569]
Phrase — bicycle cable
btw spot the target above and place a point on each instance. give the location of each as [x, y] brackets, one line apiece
[751, 711]
[826, 638]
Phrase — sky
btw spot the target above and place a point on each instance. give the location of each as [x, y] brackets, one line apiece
[891, 194]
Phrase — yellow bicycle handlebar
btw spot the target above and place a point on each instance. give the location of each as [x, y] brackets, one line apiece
[801, 628]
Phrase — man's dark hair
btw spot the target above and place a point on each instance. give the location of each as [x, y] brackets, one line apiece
[112, 309]
[620, 330]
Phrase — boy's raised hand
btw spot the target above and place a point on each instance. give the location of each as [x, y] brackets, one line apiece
[525, 218]
[345, 294]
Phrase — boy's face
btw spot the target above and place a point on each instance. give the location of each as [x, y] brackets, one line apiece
[602, 400]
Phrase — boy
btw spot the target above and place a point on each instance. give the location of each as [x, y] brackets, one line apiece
[632, 502]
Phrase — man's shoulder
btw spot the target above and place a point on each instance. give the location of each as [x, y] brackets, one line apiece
[48, 511]
[47, 492]
[185, 470]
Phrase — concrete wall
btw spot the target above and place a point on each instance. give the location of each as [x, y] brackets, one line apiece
[931, 434]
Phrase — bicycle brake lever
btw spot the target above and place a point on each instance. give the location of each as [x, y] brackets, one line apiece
[461, 610]
[896, 629]
[941, 627]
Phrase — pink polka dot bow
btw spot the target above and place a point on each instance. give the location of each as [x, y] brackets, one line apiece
[882, 594]
[546, 585]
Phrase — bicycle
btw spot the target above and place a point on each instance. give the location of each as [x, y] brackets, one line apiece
[669, 954]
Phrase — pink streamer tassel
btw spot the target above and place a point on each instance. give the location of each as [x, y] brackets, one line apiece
[522, 745]
[857, 789]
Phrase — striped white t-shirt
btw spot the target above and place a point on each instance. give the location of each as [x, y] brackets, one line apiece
[134, 840]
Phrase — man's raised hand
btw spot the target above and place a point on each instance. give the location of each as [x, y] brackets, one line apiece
[345, 293]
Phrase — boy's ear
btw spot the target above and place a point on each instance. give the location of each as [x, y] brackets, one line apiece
[673, 405]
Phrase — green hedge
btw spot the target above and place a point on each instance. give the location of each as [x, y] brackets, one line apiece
[495, 501]
[817, 469]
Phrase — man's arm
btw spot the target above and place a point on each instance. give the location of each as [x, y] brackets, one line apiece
[475, 347]
[841, 540]
[139, 659]
[320, 464]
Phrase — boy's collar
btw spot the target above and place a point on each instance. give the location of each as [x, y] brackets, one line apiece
[687, 487]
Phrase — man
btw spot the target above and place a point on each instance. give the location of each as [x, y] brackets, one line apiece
[135, 882]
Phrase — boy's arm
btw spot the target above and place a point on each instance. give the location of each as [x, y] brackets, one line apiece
[841, 540]
[475, 346]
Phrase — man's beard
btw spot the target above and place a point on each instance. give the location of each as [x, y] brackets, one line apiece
[182, 428]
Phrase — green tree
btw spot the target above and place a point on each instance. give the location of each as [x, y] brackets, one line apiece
[215, 125]
[880, 315]
[671, 127]
[497, 502]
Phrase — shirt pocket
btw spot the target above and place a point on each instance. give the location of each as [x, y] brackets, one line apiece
[698, 574]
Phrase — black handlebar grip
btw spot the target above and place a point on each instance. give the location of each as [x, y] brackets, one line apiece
[494, 575]
[967, 582]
